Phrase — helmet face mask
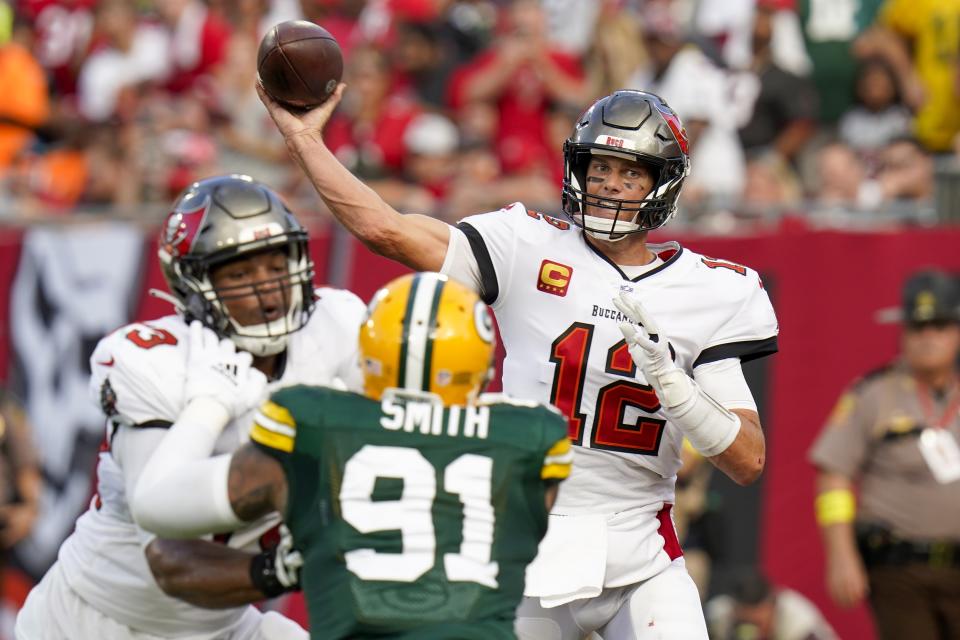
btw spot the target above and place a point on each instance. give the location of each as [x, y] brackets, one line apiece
[225, 219]
[639, 127]
[429, 337]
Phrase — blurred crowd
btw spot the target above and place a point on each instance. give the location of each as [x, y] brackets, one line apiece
[455, 106]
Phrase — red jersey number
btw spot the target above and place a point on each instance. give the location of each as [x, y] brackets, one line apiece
[611, 430]
[147, 337]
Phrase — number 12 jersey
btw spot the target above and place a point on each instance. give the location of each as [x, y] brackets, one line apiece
[551, 292]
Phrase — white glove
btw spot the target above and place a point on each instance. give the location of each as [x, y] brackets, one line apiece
[287, 560]
[673, 385]
[708, 426]
[218, 372]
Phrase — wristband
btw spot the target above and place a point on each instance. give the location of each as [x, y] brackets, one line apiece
[835, 506]
[263, 575]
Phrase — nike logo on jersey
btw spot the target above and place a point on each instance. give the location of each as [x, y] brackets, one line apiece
[554, 278]
[107, 363]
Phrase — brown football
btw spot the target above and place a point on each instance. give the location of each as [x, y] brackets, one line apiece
[299, 63]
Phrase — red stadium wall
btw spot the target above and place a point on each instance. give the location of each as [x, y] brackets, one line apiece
[826, 288]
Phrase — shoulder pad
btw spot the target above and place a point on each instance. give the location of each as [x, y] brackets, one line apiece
[137, 371]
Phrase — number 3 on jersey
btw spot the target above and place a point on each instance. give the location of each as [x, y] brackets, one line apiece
[610, 429]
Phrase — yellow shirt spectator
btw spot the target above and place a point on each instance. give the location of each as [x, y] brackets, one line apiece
[933, 26]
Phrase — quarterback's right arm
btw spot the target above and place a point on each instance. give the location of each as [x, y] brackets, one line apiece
[418, 241]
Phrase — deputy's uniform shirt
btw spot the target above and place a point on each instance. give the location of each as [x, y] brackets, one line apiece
[415, 521]
[872, 437]
[138, 375]
[552, 295]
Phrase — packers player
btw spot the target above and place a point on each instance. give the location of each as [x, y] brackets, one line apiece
[416, 506]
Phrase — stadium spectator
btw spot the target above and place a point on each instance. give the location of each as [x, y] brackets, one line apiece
[699, 91]
[25, 100]
[617, 48]
[198, 42]
[780, 108]
[431, 145]
[772, 186]
[893, 435]
[92, 169]
[830, 30]
[878, 115]
[367, 133]
[920, 40]
[248, 142]
[521, 73]
[758, 610]
[905, 173]
[841, 179]
[129, 55]
[20, 480]
[424, 61]
[63, 37]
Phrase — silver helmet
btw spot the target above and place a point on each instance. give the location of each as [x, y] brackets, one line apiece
[637, 126]
[221, 219]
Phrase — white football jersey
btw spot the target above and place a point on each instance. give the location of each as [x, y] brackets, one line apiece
[552, 295]
[138, 376]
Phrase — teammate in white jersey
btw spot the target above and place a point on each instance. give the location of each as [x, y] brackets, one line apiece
[580, 304]
[236, 259]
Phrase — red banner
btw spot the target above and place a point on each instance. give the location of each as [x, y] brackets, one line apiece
[826, 287]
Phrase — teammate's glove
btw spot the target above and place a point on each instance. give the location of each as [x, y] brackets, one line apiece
[276, 571]
[709, 427]
[217, 371]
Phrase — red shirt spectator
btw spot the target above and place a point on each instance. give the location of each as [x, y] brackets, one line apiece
[522, 74]
[62, 37]
[198, 41]
[367, 132]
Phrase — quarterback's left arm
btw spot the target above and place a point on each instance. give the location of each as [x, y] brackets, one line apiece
[731, 439]
[744, 459]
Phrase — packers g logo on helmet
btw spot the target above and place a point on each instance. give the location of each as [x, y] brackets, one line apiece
[428, 334]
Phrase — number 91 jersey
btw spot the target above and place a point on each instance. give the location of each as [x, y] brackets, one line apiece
[415, 520]
[552, 295]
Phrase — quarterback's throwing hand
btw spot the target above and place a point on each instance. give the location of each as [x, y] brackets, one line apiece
[216, 370]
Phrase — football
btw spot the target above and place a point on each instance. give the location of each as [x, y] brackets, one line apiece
[299, 64]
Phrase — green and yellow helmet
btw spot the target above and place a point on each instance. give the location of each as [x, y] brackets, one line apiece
[425, 333]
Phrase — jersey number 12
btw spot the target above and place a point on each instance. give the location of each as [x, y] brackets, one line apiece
[611, 430]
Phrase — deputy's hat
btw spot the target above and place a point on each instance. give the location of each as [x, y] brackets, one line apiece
[931, 296]
[928, 296]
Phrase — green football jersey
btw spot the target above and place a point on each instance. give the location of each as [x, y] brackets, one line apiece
[414, 520]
